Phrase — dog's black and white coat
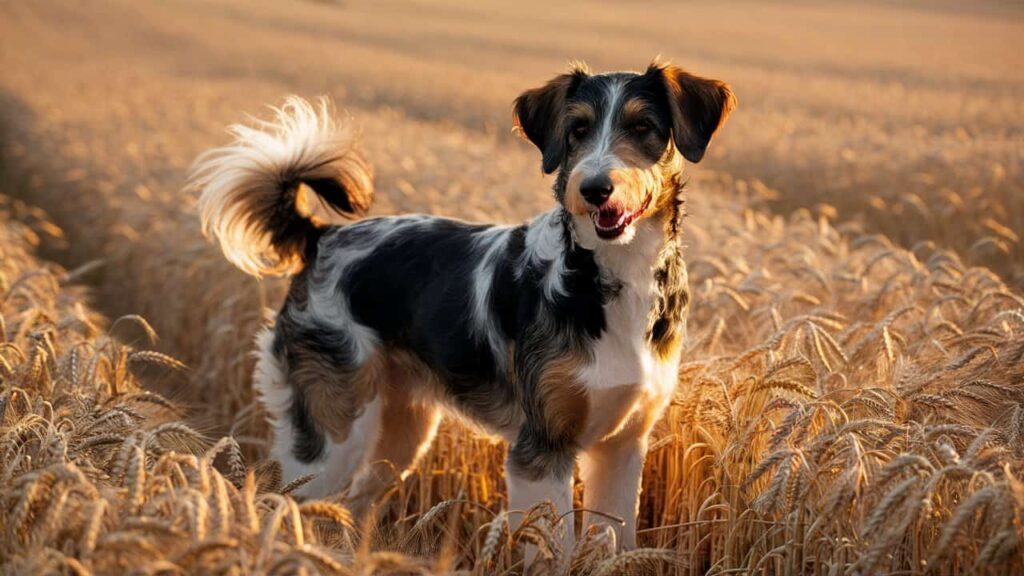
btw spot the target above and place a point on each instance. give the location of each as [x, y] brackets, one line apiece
[562, 335]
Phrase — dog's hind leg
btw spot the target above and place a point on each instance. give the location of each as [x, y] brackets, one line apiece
[406, 434]
[323, 420]
[271, 385]
[342, 461]
[409, 420]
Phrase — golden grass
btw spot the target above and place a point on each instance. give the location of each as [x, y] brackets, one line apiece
[851, 400]
[848, 407]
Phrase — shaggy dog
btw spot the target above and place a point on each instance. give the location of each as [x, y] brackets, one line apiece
[562, 335]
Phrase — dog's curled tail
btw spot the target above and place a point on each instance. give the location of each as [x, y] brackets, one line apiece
[261, 194]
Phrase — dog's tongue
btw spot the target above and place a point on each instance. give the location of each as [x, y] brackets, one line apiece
[609, 217]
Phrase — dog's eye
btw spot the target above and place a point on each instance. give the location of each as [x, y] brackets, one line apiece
[580, 130]
[641, 127]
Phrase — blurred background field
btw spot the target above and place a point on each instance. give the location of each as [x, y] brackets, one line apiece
[854, 245]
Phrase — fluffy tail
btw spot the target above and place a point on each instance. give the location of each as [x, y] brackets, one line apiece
[259, 194]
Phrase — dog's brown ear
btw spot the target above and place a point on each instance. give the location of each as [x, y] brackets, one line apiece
[537, 115]
[699, 108]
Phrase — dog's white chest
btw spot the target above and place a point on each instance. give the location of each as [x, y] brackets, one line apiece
[625, 379]
[622, 356]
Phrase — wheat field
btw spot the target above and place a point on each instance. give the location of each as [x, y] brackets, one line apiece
[852, 394]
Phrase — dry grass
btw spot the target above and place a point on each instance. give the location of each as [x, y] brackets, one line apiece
[851, 407]
[853, 397]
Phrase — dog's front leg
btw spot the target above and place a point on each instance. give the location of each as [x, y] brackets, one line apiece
[533, 478]
[611, 472]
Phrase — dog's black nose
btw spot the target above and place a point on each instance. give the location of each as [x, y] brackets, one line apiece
[597, 189]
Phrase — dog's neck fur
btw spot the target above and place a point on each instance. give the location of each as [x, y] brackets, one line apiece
[666, 322]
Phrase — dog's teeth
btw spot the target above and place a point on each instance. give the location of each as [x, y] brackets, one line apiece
[623, 218]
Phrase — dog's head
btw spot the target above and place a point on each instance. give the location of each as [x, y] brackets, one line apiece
[616, 139]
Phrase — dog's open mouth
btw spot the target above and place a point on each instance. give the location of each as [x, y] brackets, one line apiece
[612, 219]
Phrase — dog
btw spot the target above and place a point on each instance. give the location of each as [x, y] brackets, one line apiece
[562, 335]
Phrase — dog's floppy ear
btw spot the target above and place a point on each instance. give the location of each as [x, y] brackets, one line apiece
[699, 108]
[537, 115]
